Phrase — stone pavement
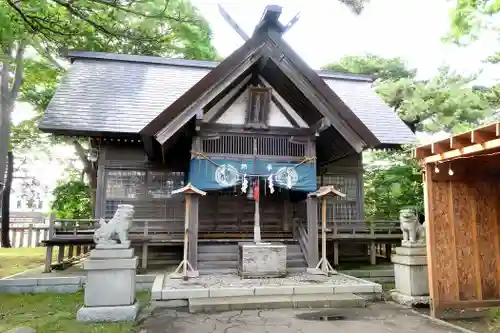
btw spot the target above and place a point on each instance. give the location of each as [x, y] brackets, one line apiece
[377, 318]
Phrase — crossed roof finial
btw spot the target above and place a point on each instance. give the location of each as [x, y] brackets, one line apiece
[271, 14]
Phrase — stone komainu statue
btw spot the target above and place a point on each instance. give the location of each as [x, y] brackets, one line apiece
[118, 226]
[413, 231]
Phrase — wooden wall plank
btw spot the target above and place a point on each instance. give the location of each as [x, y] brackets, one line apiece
[444, 254]
[431, 239]
[466, 270]
[487, 235]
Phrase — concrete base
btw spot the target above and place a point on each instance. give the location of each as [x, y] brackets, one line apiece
[410, 271]
[409, 300]
[261, 260]
[108, 313]
[111, 278]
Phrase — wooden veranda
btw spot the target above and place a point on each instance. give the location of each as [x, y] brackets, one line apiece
[462, 197]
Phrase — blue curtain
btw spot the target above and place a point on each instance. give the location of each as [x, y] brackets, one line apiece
[220, 173]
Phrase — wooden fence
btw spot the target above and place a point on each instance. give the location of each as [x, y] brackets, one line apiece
[28, 229]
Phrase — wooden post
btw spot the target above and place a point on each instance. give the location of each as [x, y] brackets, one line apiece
[48, 259]
[335, 253]
[286, 215]
[388, 251]
[312, 231]
[193, 232]
[70, 251]
[188, 190]
[30, 235]
[186, 230]
[256, 227]
[14, 237]
[21, 236]
[37, 236]
[324, 262]
[144, 261]
[373, 253]
[60, 254]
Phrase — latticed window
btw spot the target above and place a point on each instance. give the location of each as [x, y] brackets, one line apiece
[149, 191]
[339, 208]
[125, 184]
[161, 184]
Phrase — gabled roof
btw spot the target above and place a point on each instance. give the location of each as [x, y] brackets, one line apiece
[105, 93]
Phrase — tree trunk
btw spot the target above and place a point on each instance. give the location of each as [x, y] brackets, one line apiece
[6, 201]
[89, 170]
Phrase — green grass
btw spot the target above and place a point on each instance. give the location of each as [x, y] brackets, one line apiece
[51, 313]
[14, 261]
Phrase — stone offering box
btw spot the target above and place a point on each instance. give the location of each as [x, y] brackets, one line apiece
[257, 260]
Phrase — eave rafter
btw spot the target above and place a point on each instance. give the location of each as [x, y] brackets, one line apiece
[480, 140]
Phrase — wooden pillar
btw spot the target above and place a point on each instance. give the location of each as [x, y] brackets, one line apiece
[312, 231]
[388, 251]
[286, 215]
[335, 253]
[373, 253]
[193, 231]
[60, 254]
[48, 259]
[144, 260]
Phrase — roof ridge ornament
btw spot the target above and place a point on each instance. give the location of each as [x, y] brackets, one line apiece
[271, 14]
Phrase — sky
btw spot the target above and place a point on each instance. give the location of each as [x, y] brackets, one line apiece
[328, 30]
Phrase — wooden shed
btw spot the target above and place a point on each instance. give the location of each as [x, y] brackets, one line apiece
[462, 196]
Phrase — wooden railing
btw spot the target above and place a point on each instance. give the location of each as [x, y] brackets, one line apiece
[27, 235]
[302, 237]
[142, 229]
[360, 229]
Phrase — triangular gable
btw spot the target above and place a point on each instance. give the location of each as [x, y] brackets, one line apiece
[231, 109]
[267, 48]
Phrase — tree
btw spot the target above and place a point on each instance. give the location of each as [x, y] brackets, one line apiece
[471, 18]
[46, 29]
[72, 200]
[382, 68]
[393, 180]
[447, 102]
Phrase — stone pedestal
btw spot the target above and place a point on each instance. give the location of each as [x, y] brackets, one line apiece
[110, 285]
[256, 260]
[410, 271]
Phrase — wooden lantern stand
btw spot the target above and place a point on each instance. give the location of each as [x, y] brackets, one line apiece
[324, 267]
[185, 265]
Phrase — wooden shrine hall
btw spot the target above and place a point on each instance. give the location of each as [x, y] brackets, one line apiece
[257, 132]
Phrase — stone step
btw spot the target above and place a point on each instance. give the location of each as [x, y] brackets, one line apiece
[234, 264]
[218, 304]
[219, 248]
[216, 256]
[222, 271]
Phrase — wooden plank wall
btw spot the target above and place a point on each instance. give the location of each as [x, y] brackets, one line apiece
[463, 241]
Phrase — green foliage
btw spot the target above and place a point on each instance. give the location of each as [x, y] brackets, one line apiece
[471, 18]
[72, 200]
[385, 69]
[446, 102]
[171, 28]
[393, 180]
